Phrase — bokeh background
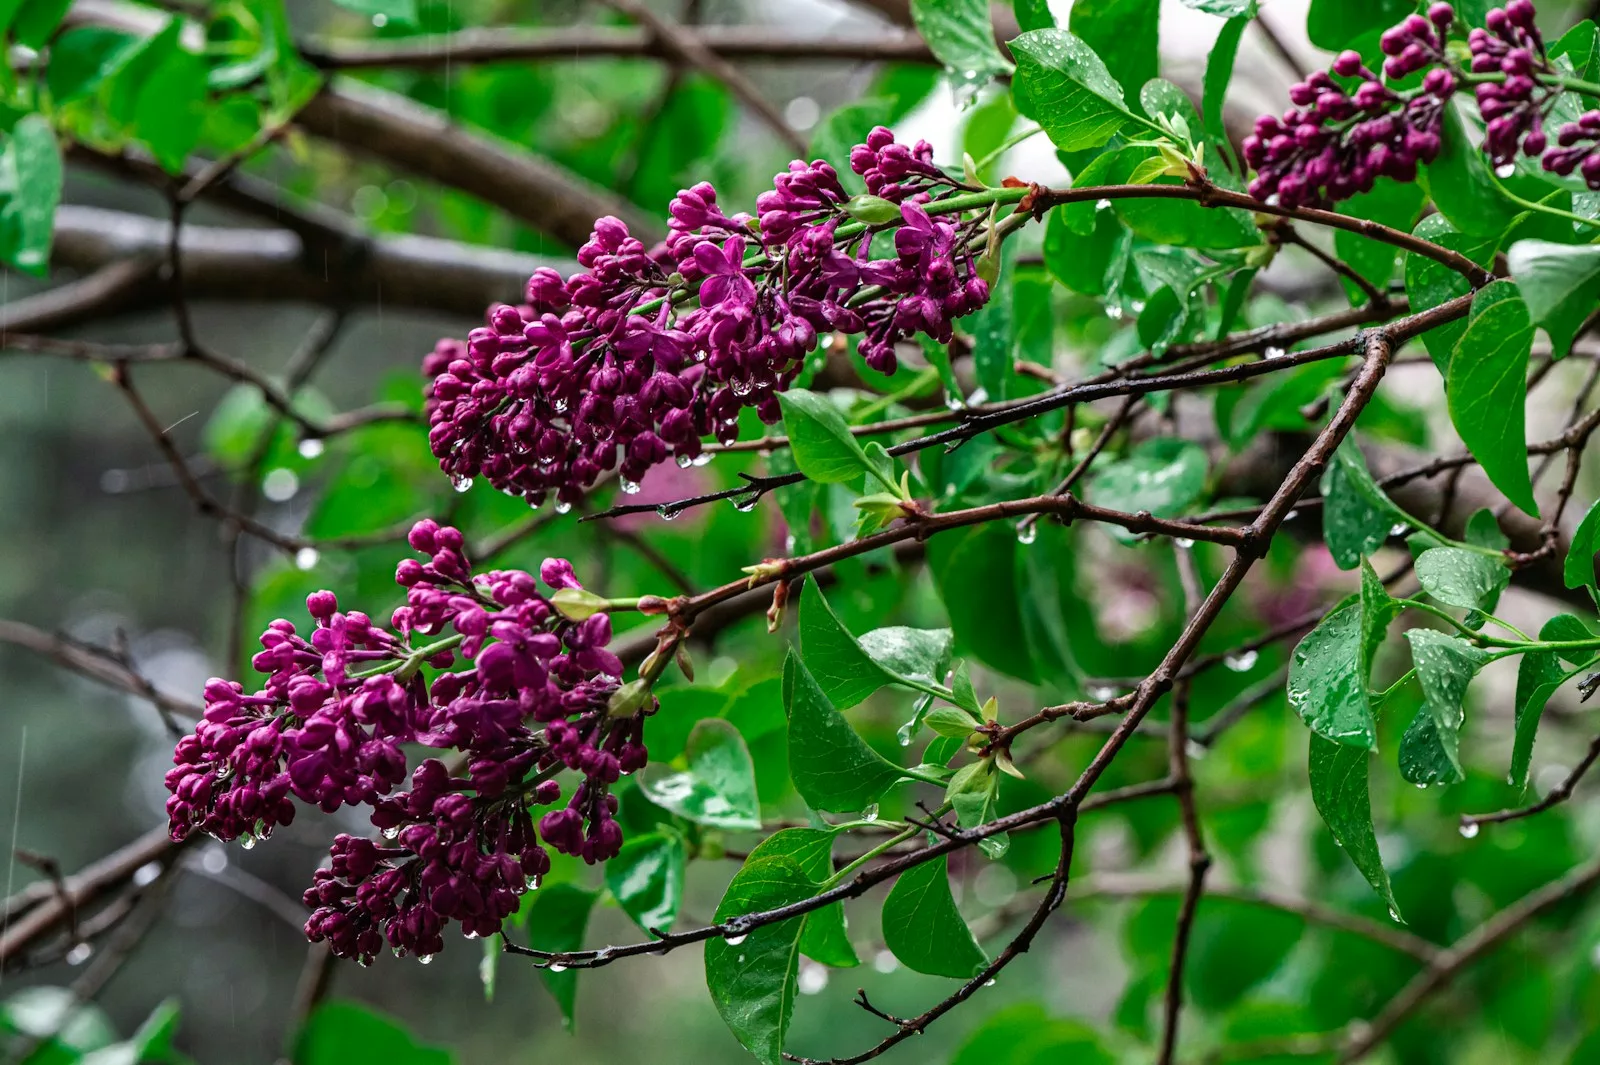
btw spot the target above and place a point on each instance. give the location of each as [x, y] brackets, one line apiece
[97, 541]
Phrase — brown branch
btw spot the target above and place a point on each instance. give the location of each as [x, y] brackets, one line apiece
[423, 141]
[504, 44]
[101, 664]
[1557, 795]
[685, 46]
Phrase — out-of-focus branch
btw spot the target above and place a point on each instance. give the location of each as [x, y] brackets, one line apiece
[555, 43]
[411, 137]
[101, 664]
[421, 273]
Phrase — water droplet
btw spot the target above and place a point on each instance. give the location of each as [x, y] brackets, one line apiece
[559, 404]
[1137, 306]
[741, 958]
[789, 543]
[630, 487]
[365, 963]
[703, 458]
[306, 558]
[562, 506]
[280, 485]
[146, 874]
[746, 504]
[1422, 785]
[380, 20]
[668, 513]
[684, 461]
[1242, 662]
[812, 979]
[885, 962]
[557, 967]
[1182, 543]
[311, 447]
[248, 842]
[392, 832]
[1274, 353]
[1114, 311]
[1102, 205]
[1293, 515]
[989, 982]
[1027, 532]
[1399, 528]
[79, 954]
[1505, 170]
[424, 959]
[469, 935]
[870, 813]
[740, 386]
[734, 941]
[904, 734]
[953, 402]
[1100, 693]
[1469, 829]
[1394, 914]
[460, 483]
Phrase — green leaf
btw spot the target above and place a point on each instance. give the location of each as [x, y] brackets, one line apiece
[950, 721]
[1560, 283]
[30, 178]
[1378, 609]
[752, 982]
[1540, 675]
[1391, 203]
[1445, 667]
[556, 920]
[1163, 475]
[994, 331]
[1327, 685]
[152, 1042]
[1430, 283]
[1357, 515]
[1124, 34]
[832, 768]
[36, 20]
[1458, 577]
[1483, 530]
[343, 1033]
[1336, 24]
[719, 786]
[820, 439]
[1065, 87]
[824, 938]
[1578, 568]
[1219, 69]
[399, 11]
[923, 928]
[1488, 389]
[972, 792]
[1227, 9]
[1088, 263]
[847, 669]
[1033, 14]
[1339, 790]
[646, 879]
[1581, 45]
[961, 36]
[83, 57]
[1024, 1034]
[975, 570]
[128, 80]
[168, 114]
[1178, 222]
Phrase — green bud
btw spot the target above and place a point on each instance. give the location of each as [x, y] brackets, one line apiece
[873, 210]
[576, 604]
[950, 721]
[629, 699]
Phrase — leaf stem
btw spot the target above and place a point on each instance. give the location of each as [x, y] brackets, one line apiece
[908, 832]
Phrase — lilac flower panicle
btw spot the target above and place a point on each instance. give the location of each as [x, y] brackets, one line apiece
[1334, 143]
[527, 699]
[646, 352]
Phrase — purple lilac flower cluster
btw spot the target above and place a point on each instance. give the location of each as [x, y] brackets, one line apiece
[1335, 144]
[649, 350]
[327, 728]
[1508, 43]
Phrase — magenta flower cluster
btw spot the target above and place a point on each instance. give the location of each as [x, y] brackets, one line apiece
[1335, 144]
[647, 351]
[532, 696]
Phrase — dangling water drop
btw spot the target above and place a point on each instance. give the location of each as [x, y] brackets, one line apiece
[870, 813]
[562, 506]
[734, 941]
[667, 513]
[953, 401]
[311, 447]
[747, 504]
[1469, 830]
[79, 954]
[1274, 353]
[1182, 543]
[1291, 516]
[1242, 662]
[989, 982]
[684, 461]
[1102, 205]
[460, 483]
[629, 487]
[392, 832]
[1399, 528]
[1027, 533]
[306, 558]
[703, 458]
[424, 959]
[1100, 693]
[557, 967]
[1114, 311]
[1137, 306]
[248, 842]
[1505, 170]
